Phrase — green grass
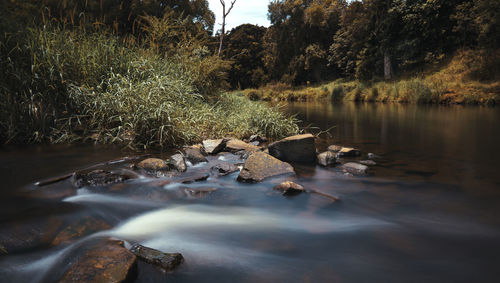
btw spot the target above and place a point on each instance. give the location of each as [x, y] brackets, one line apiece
[67, 86]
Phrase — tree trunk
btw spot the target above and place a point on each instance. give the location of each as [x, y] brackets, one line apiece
[387, 67]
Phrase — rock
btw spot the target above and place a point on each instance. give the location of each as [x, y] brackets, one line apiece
[372, 155]
[235, 145]
[104, 261]
[348, 152]
[214, 146]
[260, 166]
[257, 138]
[164, 261]
[153, 164]
[79, 229]
[327, 158]
[3, 251]
[355, 168]
[197, 177]
[299, 148]
[256, 143]
[98, 178]
[334, 148]
[194, 154]
[368, 162]
[198, 192]
[177, 162]
[224, 168]
[290, 188]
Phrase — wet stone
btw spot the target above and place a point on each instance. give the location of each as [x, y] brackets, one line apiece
[214, 146]
[236, 145]
[194, 154]
[290, 188]
[198, 192]
[299, 148]
[177, 162]
[98, 178]
[153, 164]
[335, 148]
[164, 261]
[3, 251]
[327, 158]
[224, 168]
[348, 152]
[79, 229]
[368, 162]
[104, 261]
[355, 168]
[257, 138]
[260, 166]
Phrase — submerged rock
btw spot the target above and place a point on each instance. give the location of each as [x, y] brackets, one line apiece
[224, 168]
[260, 166]
[348, 152]
[334, 148]
[79, 229]
[104, 261]
[290, 188]
[355, 168]
[368, 162]
[177, 162]
[214, 146]
[194, 154]
[299, 148]
[372, 155]
[164, 261]
[327, 158]
[235, 145]
[98, 178]
[199, 192]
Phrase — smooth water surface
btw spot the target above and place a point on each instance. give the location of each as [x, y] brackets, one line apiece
[427, 212]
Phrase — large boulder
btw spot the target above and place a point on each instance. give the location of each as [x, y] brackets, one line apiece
[194, 154]
[355, 168]
[289, 188]
[299, 148]
[327, 158]
[104, 261]
[164, 261]
[260, 165]
[235, 145]
[177, 162]
[214, 146]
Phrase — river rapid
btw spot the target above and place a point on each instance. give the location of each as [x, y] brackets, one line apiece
[429, 211]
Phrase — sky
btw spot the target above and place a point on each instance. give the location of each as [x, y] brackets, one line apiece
[244, 12]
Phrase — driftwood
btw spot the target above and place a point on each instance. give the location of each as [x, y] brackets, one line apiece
[69, 175]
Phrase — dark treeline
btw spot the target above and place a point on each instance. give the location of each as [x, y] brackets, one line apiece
[318, 40]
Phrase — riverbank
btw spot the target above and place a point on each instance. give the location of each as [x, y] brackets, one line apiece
[470, 77]
[74, 86]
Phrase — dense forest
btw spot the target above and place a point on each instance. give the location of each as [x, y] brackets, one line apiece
[318, 40]
[148, 73]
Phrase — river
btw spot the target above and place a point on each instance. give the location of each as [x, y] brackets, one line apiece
[427, 212]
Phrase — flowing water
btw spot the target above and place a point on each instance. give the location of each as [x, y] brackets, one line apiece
[429, 211]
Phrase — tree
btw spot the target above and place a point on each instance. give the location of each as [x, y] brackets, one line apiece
[224, 15]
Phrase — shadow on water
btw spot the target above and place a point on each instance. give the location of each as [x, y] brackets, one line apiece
[427, 212]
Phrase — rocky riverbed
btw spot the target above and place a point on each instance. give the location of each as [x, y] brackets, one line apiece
[104, 257]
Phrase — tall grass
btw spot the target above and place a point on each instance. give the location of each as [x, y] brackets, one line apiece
[63, 86]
